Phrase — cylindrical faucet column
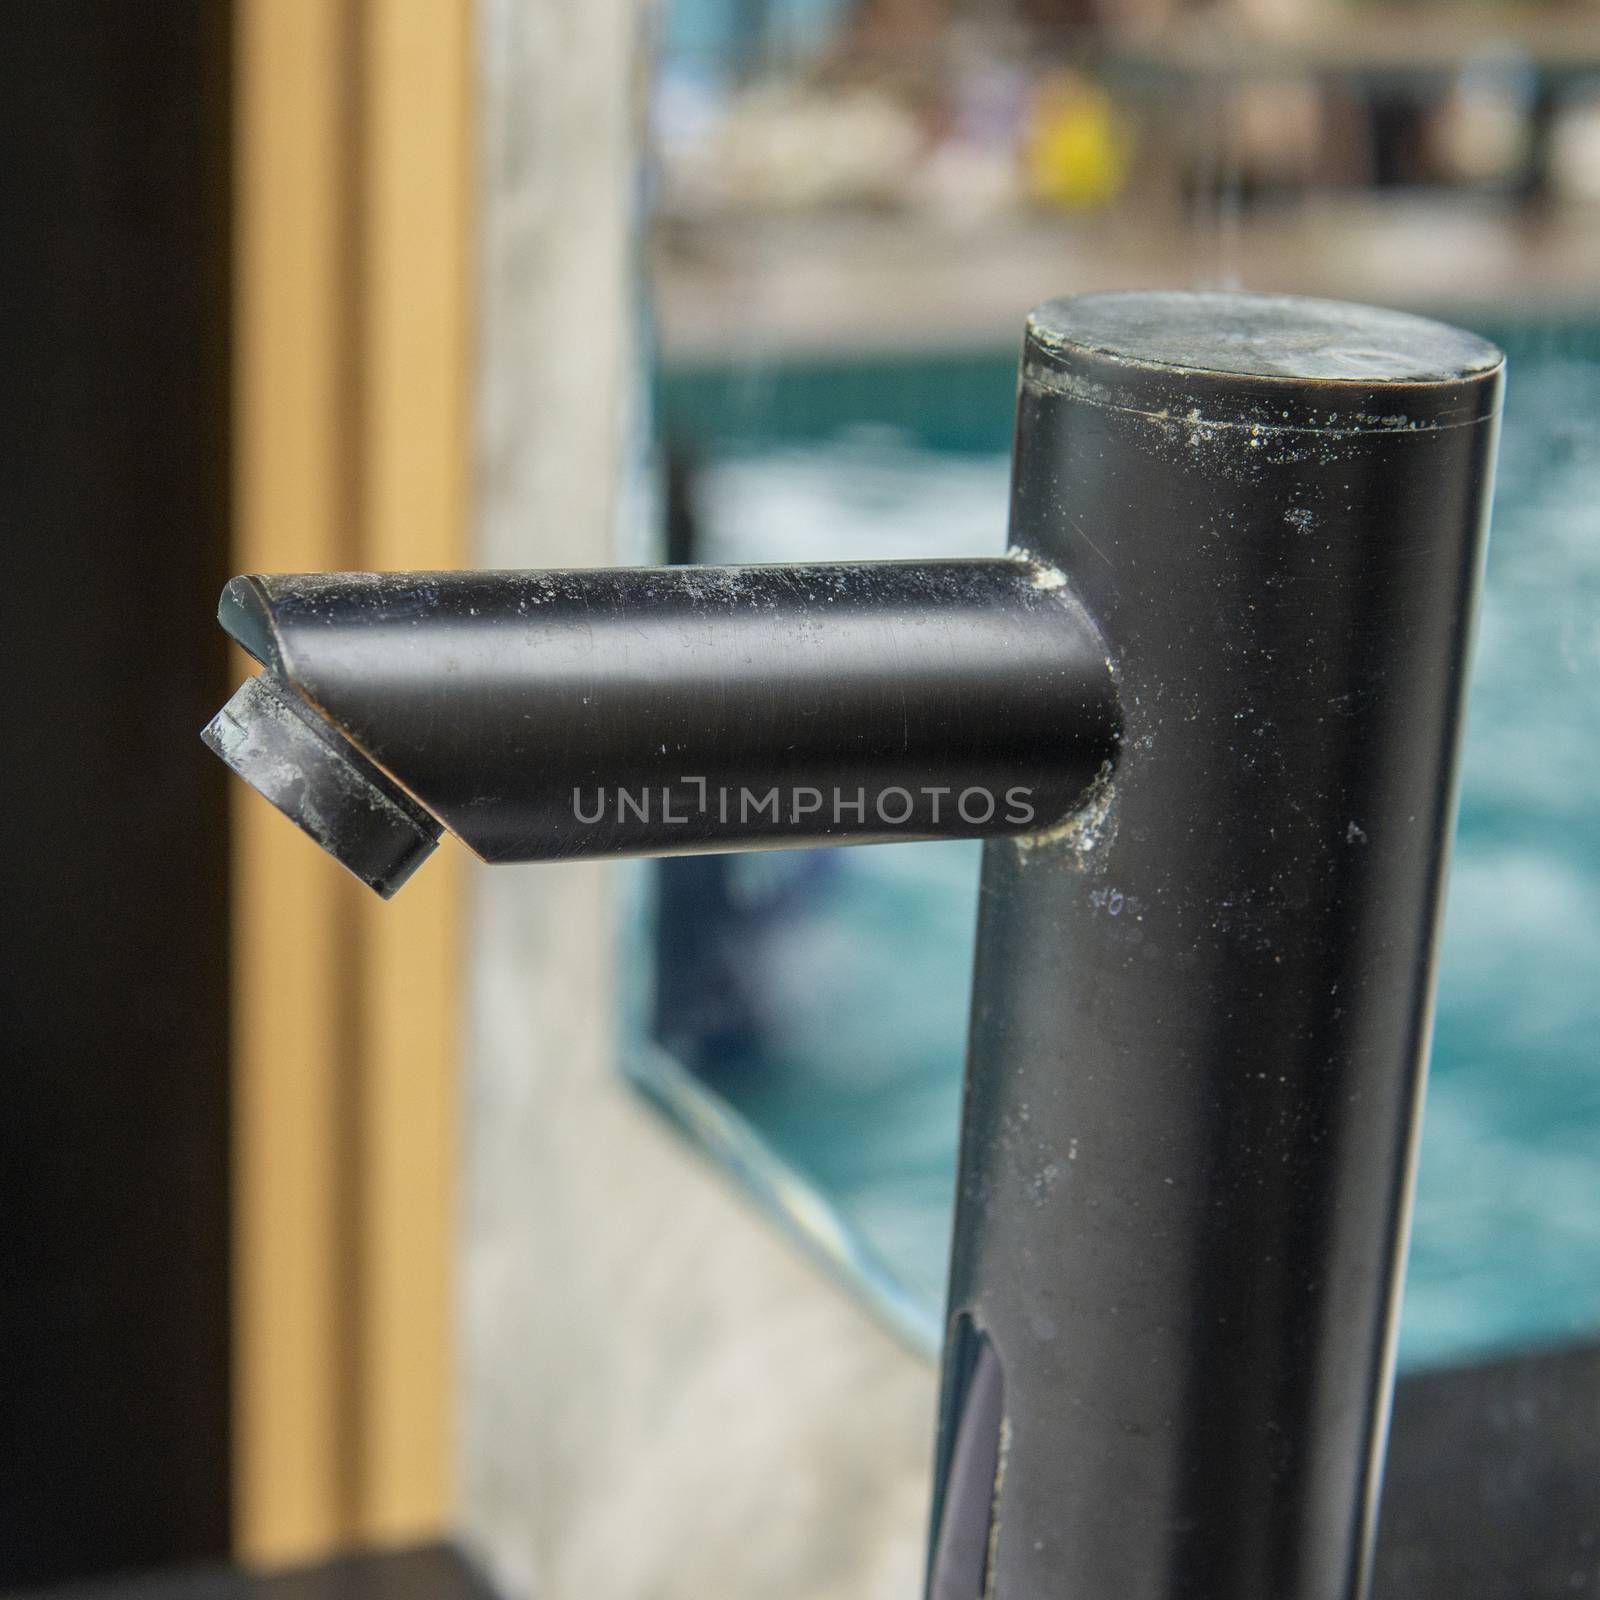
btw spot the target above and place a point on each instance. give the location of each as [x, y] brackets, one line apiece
[1202, 1009]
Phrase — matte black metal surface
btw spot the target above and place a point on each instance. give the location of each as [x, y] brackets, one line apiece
[1492, 1489]
[541, 715]
[1331, 362]
[961, 1556]
[1200, 1015]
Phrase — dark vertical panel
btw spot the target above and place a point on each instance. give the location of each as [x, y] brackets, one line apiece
[113, 976]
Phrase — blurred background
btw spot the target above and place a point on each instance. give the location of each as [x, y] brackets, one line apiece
[327, 1226]
[848, 203]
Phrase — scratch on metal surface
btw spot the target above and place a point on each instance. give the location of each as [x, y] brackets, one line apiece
[1002, 1455]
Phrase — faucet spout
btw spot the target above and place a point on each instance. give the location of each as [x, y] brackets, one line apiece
[658, 711]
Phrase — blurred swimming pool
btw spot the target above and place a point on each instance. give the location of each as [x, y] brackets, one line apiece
[808, 1018]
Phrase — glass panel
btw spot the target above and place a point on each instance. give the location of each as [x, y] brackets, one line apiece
[856, 205]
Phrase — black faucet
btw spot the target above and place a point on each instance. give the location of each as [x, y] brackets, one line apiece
[1207, 711]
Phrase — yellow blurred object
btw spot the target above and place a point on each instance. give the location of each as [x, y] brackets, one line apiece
[1076, 148]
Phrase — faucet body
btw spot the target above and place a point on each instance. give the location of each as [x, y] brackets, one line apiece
[1198, 1036]
[1226, 667]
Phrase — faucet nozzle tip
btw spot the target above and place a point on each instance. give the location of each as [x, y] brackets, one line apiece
[322, 783]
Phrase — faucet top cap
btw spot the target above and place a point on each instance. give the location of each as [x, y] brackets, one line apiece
[1262, 359]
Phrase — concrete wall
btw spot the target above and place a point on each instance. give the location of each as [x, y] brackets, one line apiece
[660, 1398]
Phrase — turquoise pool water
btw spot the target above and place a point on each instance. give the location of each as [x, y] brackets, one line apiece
[816, 1037]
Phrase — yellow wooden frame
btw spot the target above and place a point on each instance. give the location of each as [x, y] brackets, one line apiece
[352, 330]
